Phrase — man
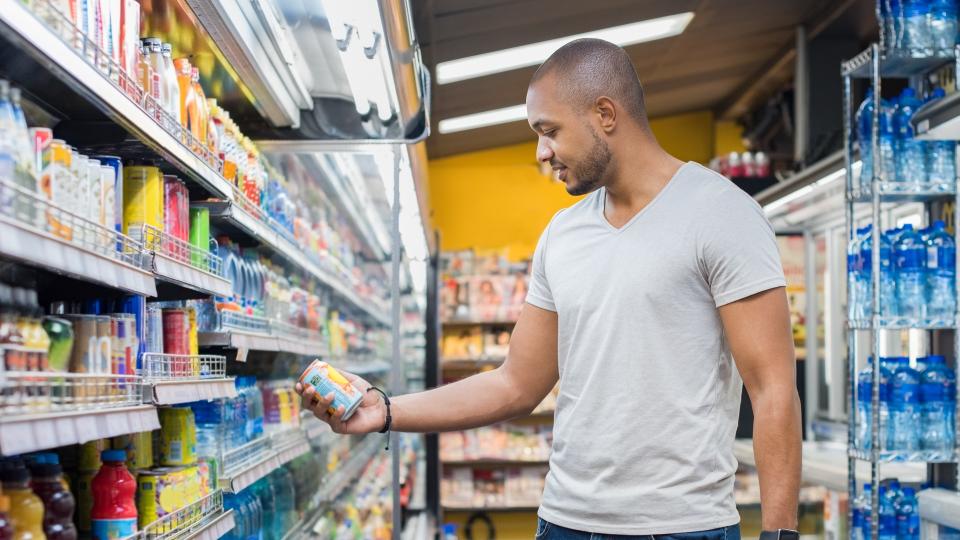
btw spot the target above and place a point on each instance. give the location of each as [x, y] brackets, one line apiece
[646, 299]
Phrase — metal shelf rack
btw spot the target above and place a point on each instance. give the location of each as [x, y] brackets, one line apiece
[874, 66]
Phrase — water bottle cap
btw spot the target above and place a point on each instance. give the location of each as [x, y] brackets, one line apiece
[938, 93]
[939, 225]
[936, 359]
[449, 528]
[909, 491]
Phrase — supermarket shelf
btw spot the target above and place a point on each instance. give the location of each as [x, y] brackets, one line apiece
[900, 323]
[500, 509]
[42, 43]
[917, 456]
[212, 529]
[334, 485]
[235, 339]
[261, 463]
[260, 231]
[49, 252]
[292, 451]
[367, 367]
[29, 433]
[185, 391]
[940, 506]
[457, 323]
[494, 463]
[893, 192]
[472, 363]
[891, 65]
[939, 120]
[188, 277]
[825, 464]
[312, 426]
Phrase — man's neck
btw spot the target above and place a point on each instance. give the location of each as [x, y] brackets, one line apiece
[637, 180]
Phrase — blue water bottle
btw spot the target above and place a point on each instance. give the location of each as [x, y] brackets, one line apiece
[916, 31]
[941, 273]
[911, 262]
[910, 152]
[943, 26]
[905, 408]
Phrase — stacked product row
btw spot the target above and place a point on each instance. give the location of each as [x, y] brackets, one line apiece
[918, 28]
[899, 514]
[917, 406]
[463, 487]
[917, 274]
[507, 442]
[906, 163]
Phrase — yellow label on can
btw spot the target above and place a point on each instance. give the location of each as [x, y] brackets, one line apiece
[178, 436]
[142, 200]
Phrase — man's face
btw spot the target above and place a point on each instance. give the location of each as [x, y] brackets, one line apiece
[567, 139]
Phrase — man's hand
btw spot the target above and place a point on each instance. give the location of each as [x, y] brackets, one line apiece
[370, 417]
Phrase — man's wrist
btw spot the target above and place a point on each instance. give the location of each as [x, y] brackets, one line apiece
[779, 534]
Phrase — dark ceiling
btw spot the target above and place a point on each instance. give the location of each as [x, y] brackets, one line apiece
[729, 46]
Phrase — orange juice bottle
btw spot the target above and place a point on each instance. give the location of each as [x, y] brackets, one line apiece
[188, 97]
[202, 113]
[26, 509]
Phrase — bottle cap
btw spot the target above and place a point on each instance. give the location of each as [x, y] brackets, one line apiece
[113, 455]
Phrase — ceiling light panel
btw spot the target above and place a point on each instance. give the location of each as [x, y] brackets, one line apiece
[482, 119]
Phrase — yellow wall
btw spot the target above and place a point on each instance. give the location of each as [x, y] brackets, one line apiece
[498, 199]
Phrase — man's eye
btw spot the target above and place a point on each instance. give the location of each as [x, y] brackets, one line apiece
[550, 132]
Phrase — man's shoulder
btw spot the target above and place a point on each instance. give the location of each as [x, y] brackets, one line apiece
[708, 190]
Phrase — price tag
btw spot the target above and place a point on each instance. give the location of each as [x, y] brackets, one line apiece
[17, 438]
[242, 354]
[64, 427]
[86, 427]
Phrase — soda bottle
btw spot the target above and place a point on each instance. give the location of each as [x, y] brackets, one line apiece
[114, 512]
[58, 502]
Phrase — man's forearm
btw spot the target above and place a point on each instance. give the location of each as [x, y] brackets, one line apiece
[777, 447]
[476, 401]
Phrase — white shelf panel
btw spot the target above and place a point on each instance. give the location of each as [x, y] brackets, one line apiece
[213, 529]
[174, 392]
[246, 475]
[29, 433]
[65, 62]
[312, 426]
[187, 276]
[291, 453]
[940, 506]
[47, 251]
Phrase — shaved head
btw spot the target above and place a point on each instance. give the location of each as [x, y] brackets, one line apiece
[586, 69]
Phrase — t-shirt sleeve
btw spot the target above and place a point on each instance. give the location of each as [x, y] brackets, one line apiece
[539, 293]
[738, 251]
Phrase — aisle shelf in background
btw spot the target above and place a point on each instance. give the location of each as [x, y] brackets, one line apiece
[262, 233]
[67, 64]
[33, 432]
[334, 484]
[892, 64]
[939, 120]
[493, 462]
[183, 265]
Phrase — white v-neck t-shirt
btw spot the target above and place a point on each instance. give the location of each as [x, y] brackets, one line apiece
[649, 394]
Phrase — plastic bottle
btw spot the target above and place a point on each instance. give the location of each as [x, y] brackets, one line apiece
[114, 513]
[202, 112]
[265, 493]
[867, 511]
[887, 366]
[286, 501]
[58, 502]
[864, 406]
[241, 529]
[916, 29]
[941, 292]
[26, 509]
[189, 116]
[256, 517]
[908, 516]
[905, 408]
[888, 285]
[860, 503]
[943, 26]
[911, 257]
[864, 123]
[159, 87]
[936, 426]
[449, 531]
[888, 516]
[170, 78]
[910, 152]
[855, 298]
[888, 152]
[941, 156]
[6, 526]
[22, 142]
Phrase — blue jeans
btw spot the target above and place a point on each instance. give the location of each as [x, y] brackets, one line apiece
[549, 531]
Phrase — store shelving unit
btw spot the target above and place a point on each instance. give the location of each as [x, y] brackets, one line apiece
[170, 379]
[874, 66]
[205, 519]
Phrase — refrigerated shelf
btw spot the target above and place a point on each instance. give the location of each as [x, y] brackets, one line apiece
[261, 232]
[244, 465]
[205, 519]
[30, 433]
[891, 65]
[940, 506]
[82, 249]
[45, 44]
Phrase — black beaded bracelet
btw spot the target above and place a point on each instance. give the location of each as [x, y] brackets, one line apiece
[389, 419]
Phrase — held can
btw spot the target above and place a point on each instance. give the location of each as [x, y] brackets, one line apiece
[325, 379]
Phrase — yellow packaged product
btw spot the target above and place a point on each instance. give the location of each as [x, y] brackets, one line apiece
[178, 436]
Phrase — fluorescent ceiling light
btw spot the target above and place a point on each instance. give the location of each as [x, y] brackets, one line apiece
[485, 118]
[535, 53]
[826, 180]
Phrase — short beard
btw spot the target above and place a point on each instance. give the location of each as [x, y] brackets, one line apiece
[591, 172]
